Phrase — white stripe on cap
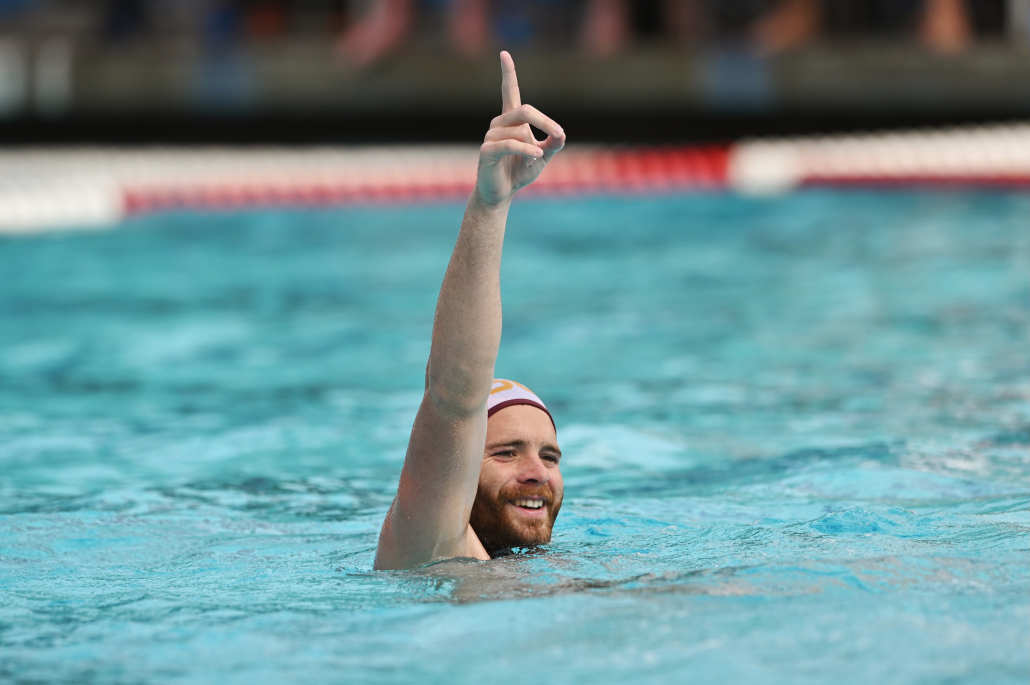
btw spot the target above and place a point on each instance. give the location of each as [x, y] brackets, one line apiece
[505, 393]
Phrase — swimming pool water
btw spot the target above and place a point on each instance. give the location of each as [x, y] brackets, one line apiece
[796, 436]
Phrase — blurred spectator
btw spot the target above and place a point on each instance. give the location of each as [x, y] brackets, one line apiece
[790, 24]
[369, 30]
[774, 26]
[387, 23]
[612, 25]
[606, 27]
[943, 26]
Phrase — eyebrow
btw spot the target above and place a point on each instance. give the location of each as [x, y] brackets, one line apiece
[522, 444]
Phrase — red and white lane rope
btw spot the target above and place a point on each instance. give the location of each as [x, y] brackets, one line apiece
[986, 156]
[66, 188]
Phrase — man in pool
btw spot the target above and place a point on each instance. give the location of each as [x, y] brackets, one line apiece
[481, 474]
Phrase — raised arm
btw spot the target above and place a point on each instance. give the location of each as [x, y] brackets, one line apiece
[429, 518]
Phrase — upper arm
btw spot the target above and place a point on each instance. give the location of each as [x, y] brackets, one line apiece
[429, 518]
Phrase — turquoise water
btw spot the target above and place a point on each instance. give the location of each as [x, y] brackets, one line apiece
[796, 436]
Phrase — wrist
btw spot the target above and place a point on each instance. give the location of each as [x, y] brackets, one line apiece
[479, 203]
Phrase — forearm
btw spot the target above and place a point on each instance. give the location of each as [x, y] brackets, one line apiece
[467, 326]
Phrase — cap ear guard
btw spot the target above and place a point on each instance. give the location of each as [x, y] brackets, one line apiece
[507, 393]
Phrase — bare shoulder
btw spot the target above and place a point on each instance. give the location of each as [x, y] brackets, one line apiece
[394, 552]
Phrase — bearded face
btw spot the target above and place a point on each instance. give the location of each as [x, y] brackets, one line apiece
[514, 517]
[520, 485]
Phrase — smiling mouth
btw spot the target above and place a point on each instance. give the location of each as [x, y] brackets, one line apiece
[529, 504]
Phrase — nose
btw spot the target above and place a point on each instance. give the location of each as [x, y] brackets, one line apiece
[533, 470]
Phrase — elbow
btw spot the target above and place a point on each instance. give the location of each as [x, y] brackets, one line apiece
[462, 399]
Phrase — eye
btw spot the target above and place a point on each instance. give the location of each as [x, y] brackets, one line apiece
[505, 453]
[553, 458]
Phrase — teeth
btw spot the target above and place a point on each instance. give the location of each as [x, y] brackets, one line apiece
[528, 503]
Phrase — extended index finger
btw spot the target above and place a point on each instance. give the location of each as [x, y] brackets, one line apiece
[509, 84]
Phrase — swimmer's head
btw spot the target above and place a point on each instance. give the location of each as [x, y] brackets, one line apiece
[520, 483]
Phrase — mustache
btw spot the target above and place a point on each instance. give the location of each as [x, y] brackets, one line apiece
[522, 491]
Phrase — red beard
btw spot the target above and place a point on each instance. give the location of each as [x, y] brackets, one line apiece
[495, 522]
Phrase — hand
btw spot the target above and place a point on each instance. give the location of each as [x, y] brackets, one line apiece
[511, 157]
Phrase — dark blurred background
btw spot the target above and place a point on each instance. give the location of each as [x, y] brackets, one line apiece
[360, 71]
